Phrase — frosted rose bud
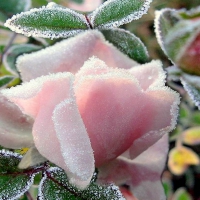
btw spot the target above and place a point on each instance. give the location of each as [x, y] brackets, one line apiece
[178, 34]
[190, 60]
[99, 115]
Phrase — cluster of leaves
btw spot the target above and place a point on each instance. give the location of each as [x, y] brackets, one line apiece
[53, 185]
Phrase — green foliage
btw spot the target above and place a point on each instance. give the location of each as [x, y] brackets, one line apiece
[13, 52]
[114, 13]
[55, 185]
[128, 43]
[11, 7]
[13, 182]
[5, 80]
[52, 22]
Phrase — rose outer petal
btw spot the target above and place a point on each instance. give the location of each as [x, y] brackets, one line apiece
[41, 98]
[149, 75]
[69, 56]
[142, 174]
[107, 107]
[15, 127]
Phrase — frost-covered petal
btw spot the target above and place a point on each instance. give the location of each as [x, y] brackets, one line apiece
[149, 75]
[75, 144]
[86, 6]
[142, 174]
[105, 101]
[40, 98]
[69, 55]
[163, 111]
[15, 127]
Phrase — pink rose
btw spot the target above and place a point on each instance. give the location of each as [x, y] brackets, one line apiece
[86, 6]
[99, 115]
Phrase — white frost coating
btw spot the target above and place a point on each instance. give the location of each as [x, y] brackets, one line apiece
[157, 24]
[139, 145]
[187, 27]
[10, 154]
[75, 144]
[188, 82]
[32, 87]
[34, 32]
[10, 50]
[134, 16]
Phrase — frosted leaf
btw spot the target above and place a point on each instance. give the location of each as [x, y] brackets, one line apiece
[13, 182]
[190, 14]
[174, 73]
[11, 7]
[114, 13]
[5, 80]
[192, 85]
[128, 43]
[9, 58]
[55, 185]
[174, 34]
[48, 22]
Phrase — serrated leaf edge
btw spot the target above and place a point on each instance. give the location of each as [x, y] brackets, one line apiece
[125, 20]
[45, 34]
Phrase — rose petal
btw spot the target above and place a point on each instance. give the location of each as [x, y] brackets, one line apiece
[69, 55]
[39, 98]
[104, 101]
[149, 75]
[15, 127]
[75, 144]
[142, 174]
[160, 118]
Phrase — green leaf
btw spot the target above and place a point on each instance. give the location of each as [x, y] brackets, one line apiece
[55, 185]
[52, 21]
[114, 13]
[13, 182]
[192, 86]
[5, 80]
[191, 14]
[9, 59]
[11, 7]
[3, 18]
[182, 194]
[128, 43]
